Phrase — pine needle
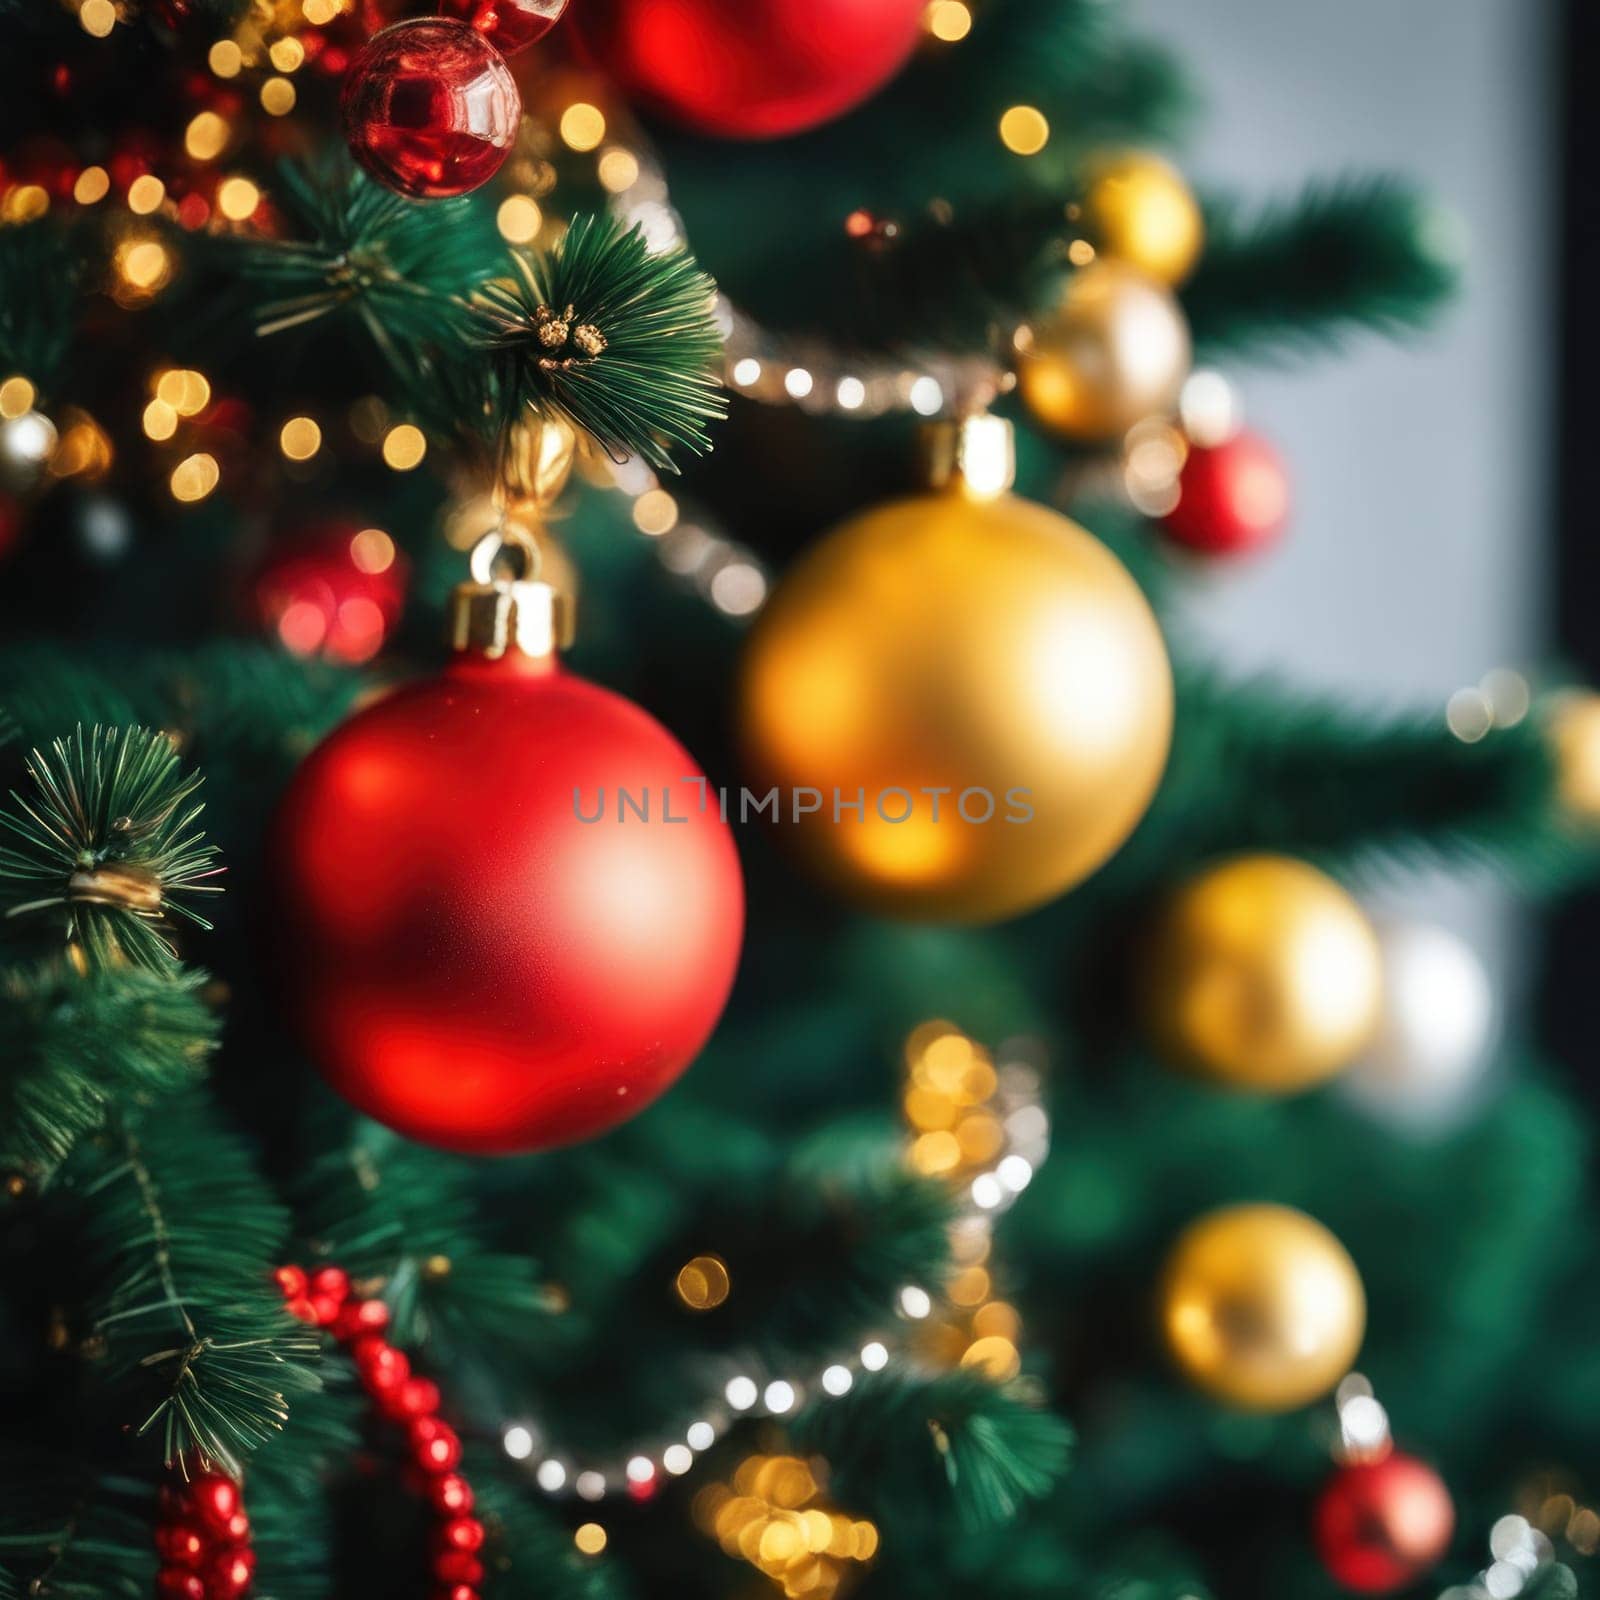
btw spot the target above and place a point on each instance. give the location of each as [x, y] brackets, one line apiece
[1368, 253]
[77, 1046]
[618, 339]
[910, 1444]
[179, 1239]
[106, 844]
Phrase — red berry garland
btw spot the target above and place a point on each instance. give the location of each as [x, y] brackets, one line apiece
[324, 1299]
[203, 1540]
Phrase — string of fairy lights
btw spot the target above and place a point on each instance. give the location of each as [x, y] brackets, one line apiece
[977, 1123]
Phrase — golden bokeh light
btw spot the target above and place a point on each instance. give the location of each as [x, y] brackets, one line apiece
[618, 170]
[320, 12]
[1024, 130]
[83, 450]
[287, 55]
[160, 421]
[519, 219]
[206, 137]
[948, 20]
[92, 186]
[655, 512]
[17, 395]
[225, 58]
[277, 97]
[97, 17]
[144, 267]
[145, 194]
[24, 202]
[703, 1283]
[194, 477]
[590, 1538]
[404, 446]
[237, 199]
[372, 551]
[300, 438]
[188, 392]
[583, 126]
[769, 1514]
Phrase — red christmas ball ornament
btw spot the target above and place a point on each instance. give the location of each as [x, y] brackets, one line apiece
[509, 25]
[1233, 497]
[430, 108]
[750, 69]
[510, 914]
[1380, 1525]
[335, 591]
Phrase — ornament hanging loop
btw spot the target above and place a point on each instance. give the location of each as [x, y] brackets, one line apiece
[505, 608]
[508, 545]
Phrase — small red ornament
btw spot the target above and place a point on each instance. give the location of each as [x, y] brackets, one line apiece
[335, 590]
[750, 69]
[202, 1535]
[485, 945]
[509, 25]
[1380, 1525]
[1233, 497]
[430, 108]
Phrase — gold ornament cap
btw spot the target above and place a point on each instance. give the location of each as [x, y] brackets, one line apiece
[974, 455]
[505, 609]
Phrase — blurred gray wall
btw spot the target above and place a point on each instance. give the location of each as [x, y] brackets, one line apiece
[1417, 554]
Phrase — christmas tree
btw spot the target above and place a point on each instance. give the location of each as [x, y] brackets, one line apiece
[571, 1032]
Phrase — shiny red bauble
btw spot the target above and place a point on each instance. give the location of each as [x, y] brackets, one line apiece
[750, 69]
[1233, 497]
[509, 25]
[468, 959]
[430, 108]
[1380, 1525]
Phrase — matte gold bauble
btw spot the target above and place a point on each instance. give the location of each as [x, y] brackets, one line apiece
[1262, 1307]
[1575, 729]
[1115, 351]
[1263, 974]
[981, 675]
[1139, 210]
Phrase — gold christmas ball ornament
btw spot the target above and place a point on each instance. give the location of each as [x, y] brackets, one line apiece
[1113, 352]
[1575, 729]
[1262, 974]
[1262, 1307]
[961, 699]
[1138, 209]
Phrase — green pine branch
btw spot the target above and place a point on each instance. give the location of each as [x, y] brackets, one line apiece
[387, 1209]
[178, 1240]
[1256, 768]
[617, 338]
[105, 844]
[363, 250]
[1368, 253]
[604, 332]
[67, 1533]
[906, 1446]
[76, 1047]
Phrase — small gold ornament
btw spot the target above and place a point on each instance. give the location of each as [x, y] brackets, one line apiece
[962, 698]
[1262, 1307]
[1139, 210]
[1115, 351]
[1575, 730]
[1262, 974]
